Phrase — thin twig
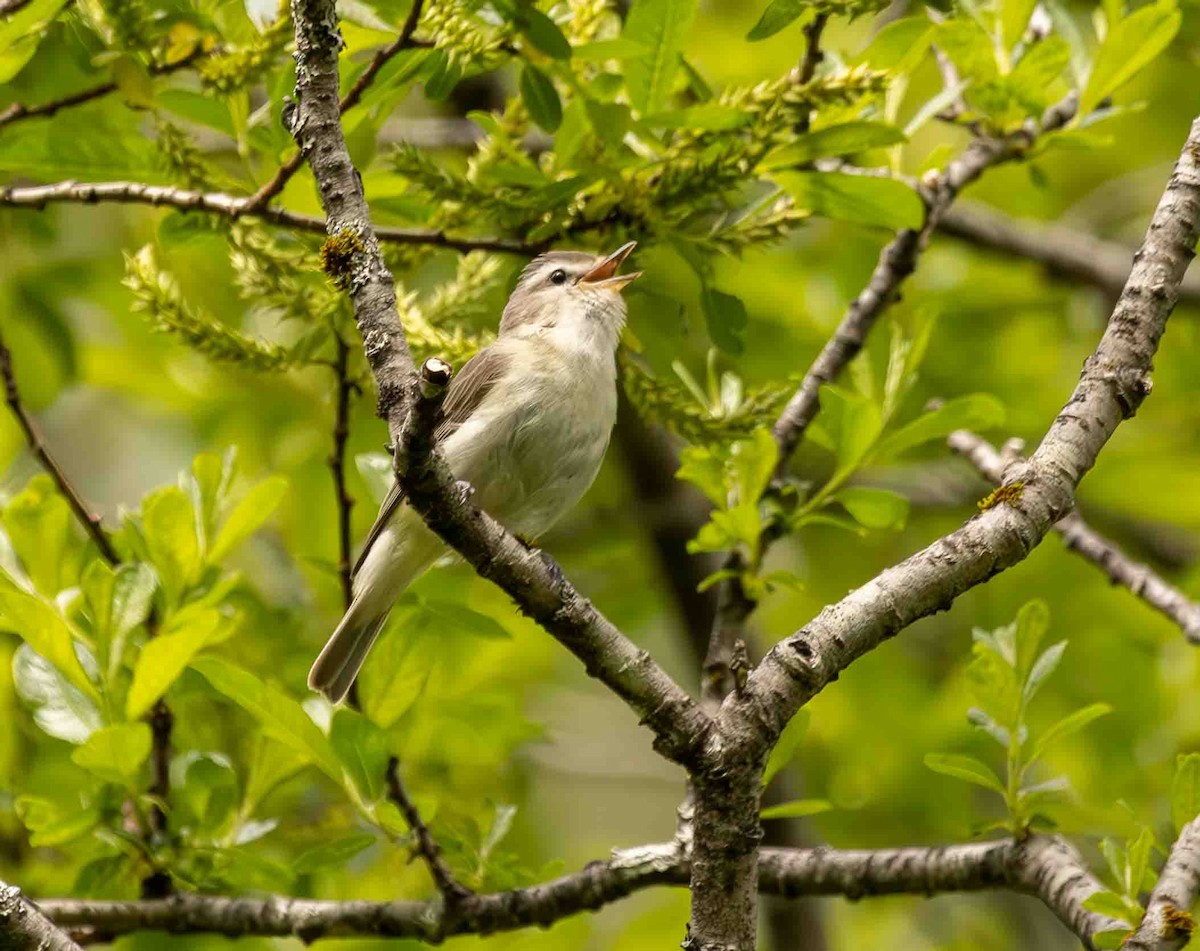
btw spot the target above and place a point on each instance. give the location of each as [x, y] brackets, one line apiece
[451, 889]
[1085, 541]
[89, 519]
[17, 111]
[337, 465]
[231, 206]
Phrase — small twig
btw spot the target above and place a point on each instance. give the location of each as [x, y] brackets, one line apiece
[451, 889]
[1168, 923]
[18, 110]
[813, 57]
[231, 206]
[353, 96]
[1085, 541]
[337, 465]
[87, 518]
[24, 928]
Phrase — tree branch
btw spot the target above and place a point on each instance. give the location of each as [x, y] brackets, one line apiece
[337, 466]
[452, 891]
[1084, 540]
[1046, 867]
[1168, 924]
[33, 438]
[1065, 252]
[1115, 380]
[24, 928]
[897, 261]
[17, 110]
[231, 206]
[532, 579]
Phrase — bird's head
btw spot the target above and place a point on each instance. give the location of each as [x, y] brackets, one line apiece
[572, 292]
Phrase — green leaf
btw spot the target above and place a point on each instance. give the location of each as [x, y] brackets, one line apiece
[752, 463]
[660, 26]
[976, 411]
[169, 524]
[452, 617]
[862, 199]
[1042, 668]
[272, 763]
[1068, 725]
[50, 824]
[37, 520]
[1130, 45]
[115, 753]
[247, 517]
[332, 855]
[541, 98]
[212, 475]
[1033, 79]
[21, 34]
[1138, 852]
[725, 317]
[835, 140]
[164, 658]
[363, 749]
[704, 469]
[796, 809]
[706, 117]
[40, 624]
[787, 747]
[874, 508]
[981, 720]
[501, 825]
[966, 768]
[545, 35]
[282, 716]
[1112, 905]
[395, 673]
[900, 45]
[848, 426]
[59, 708]
[1110, 940]
[1027, 631]
[778, 15]
[445, 73]
[620, 48]
[1014, 18]
[1185, 790]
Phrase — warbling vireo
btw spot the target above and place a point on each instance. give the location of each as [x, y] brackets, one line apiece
[526, 423]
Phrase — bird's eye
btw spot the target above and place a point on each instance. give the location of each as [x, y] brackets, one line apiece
[558, 277]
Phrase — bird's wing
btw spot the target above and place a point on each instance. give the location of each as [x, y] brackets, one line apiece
[467, 391]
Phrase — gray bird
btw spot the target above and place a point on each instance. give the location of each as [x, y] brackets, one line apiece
[526, 423]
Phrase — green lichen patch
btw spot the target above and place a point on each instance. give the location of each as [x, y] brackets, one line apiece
[1006, 494]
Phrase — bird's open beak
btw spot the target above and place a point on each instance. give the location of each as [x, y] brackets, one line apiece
[605, 273]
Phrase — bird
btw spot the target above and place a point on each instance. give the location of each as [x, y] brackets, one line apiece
[526, 424]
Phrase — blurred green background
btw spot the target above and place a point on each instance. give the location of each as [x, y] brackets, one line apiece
[514, 720]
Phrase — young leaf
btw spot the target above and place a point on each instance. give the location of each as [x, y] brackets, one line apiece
[1131, 44]
[247, 517]
[1110, 940]
[332, 855]
[796, 809]
[541, 98]
[1113, 905]
[1072, 723]
[966, 768]
[395, 675]
[40, 624]
[60, 709]
[544, 34]
[164, 658]
[777, 15]
[978, 718]
[1138, 852]
[452, 617]
[862, 199]
[1031, 625]
[660, 26]
[1014, 17]
[977, 411]
[874, 508]
[844, 139]
[282, 716]
[363, 749]
[725, 318]
[37, 520]
[1043, 668]
[1185, 790]
[116, 753]
[271, 764]
[169, 524]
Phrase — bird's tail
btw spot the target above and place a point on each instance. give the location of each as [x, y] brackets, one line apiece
[339, 663]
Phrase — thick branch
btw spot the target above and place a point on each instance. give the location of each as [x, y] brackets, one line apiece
[1046, 867]
[24, 928]
[1084, 540]
[1115, 380]
[231, 206]
[529, 577]
[1168, 923]
[1065, 252]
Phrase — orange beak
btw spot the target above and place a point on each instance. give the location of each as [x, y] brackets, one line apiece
[605, 275]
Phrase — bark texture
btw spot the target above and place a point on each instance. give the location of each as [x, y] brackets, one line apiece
[24, 928]
[1168, 924]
